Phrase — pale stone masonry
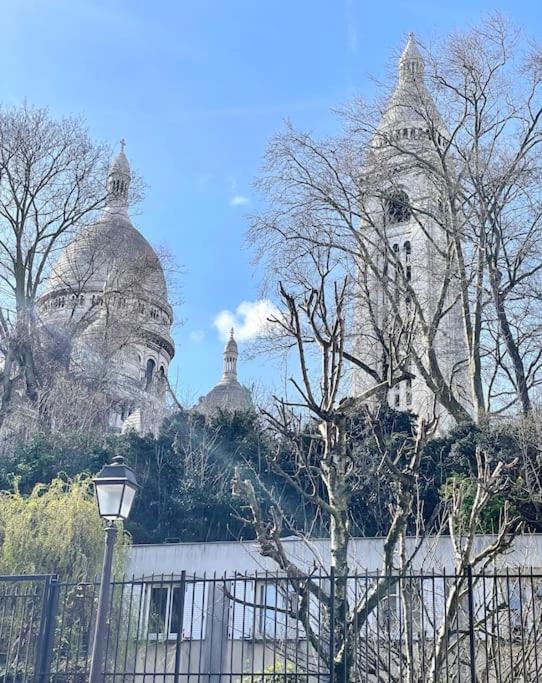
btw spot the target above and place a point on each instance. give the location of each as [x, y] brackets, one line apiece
[108, 295]
[404, 234]
[228, 395]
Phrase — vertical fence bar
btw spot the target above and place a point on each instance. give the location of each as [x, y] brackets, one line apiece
[332, 625]
[472, 647]
[47, 629]
[179, 639]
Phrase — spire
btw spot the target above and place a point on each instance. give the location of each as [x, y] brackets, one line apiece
[118, 180]
[231, 354]
[411, 64]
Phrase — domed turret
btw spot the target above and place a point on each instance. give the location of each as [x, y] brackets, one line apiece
[228, 394]
[231, 354]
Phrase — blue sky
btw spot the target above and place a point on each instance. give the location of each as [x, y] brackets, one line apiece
[197, 87]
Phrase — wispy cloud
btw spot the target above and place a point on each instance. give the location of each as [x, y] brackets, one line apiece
[250, 320]
[352, 40]
[239, 200]
[197, 336]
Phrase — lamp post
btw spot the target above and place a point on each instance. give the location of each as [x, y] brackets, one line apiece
[115, 487]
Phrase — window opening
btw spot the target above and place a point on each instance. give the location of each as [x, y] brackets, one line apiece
[398, 208]
[149, 372]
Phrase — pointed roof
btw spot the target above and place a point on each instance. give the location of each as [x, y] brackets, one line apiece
[411, 64]
[120, 163]
[231, 345]
[410, 105]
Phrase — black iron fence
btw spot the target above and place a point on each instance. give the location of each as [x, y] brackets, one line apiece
[373, 628]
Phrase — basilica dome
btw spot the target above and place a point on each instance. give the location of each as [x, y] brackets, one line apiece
[110, 253]
[107, 293]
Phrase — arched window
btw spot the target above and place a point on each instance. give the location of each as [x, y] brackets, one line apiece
[408, 269]
[408, 392]
[398, 208]
[149, 372]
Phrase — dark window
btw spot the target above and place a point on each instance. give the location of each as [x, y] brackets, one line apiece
[149, 372]
[172, 613]
[408, 392]
[158, 611]
[398, 208]
[177, 604]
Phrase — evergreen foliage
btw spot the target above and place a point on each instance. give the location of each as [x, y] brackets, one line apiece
[186, 474]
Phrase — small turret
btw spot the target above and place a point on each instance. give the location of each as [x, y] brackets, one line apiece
[231, 354]
[411, 64]
[118, 180]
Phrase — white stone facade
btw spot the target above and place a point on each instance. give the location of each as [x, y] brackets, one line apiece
[405, 239]
[107, 296]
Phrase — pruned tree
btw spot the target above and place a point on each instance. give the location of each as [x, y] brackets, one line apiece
[323, 430]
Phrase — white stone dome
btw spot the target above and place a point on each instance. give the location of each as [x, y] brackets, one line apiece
[228, 396]
[111, 254]
[107, 293]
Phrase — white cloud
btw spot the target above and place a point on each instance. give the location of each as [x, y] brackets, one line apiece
[239, 200]
[250, 320]
[197, 336]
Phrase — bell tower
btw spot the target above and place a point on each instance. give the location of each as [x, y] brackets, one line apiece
[400, 286]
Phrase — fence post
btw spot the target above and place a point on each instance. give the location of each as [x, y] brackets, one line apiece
[46, 633]
[472, 648]
[179, 640]
[332, 626]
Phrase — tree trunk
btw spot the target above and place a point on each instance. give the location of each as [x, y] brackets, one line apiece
[511, 346]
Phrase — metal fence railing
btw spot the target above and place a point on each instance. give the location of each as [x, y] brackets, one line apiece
[367, 627]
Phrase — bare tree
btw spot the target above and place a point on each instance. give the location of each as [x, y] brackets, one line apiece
[323, 430]
[51, 180]
[460, 133]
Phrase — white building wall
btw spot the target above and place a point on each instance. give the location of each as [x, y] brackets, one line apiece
[365, 554]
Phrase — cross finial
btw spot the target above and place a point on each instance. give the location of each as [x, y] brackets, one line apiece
[122, 144]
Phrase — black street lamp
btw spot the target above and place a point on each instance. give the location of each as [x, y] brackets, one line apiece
[115, 487]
